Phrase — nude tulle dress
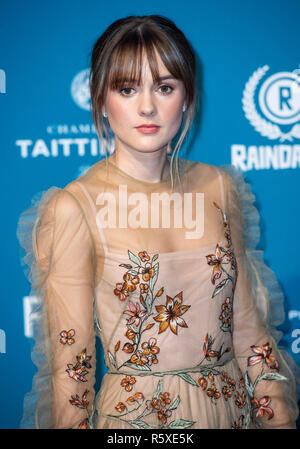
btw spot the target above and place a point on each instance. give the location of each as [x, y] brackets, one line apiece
[187, 320]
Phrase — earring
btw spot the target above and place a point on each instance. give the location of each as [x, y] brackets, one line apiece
[104, 114]
[184, 108]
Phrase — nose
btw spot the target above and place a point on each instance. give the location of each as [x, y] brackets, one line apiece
[146, 105]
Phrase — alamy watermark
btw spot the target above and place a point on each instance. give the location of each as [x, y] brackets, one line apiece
[136, 211]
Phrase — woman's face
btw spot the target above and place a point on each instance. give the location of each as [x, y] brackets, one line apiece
[148, 103]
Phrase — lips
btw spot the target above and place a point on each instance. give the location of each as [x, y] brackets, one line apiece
[148, 129]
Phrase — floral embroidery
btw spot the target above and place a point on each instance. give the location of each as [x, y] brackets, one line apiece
[78, 373]
[67, 337]
[261, 405]
[239, 424]
[160, 404]
[264, 353]
[80, 403]
[170, 314]
[216, 385]
[263, 356]
[144, 352]
[84, 424]
[224, 256]
[128, 382]
[209, 352]
[226, 314]
[135, 313]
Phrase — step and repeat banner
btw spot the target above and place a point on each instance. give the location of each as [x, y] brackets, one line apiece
[249, 65]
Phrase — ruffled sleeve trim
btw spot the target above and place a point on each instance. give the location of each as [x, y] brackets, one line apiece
[37, 403]
[267, 292]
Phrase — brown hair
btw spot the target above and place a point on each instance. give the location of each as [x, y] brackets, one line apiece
[117, 57]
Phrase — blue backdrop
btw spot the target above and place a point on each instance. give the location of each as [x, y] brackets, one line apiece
[248, 53]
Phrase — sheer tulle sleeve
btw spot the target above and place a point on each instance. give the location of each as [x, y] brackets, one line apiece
[271, 374]
[59, 262]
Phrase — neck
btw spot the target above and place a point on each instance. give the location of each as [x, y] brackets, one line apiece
[150, 167]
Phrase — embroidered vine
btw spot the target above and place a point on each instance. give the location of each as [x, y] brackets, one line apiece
[144, 274]
[224, 256]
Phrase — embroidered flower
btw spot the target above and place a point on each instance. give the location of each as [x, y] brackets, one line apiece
[163, 415]
[263, 353]
[164, 399]
[153, 404]
[128, 347]
[208, 352]
[213, 392]
[147, 272]
[240, 399]
[226, 392]
[202, 382]
[77, 372]
[144, 288]
[226, 314]
[171, 314]
[239, 424]
[84, 424]
[84, 359]
[262, 406]
[130, 334]
[80, 403]
[135, 398]
[143, 255]
[139, 358]
[120, 407]
[135, 313]
[67, 337]
[216, 260]
[130, 281]
[120, 291]
[128, 382]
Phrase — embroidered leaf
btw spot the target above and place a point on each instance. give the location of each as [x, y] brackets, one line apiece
[112, 359]
[175, 403]
[133, 272]
[154, 258]
[206, 370]
[220, 286]
[117, 346]
[125, 265]
[180, 424]
[148, 303]
[272, 376]
[132, 327]
[188, 379]
[137, 367]
[249, 385]
[154, 278]
[137, 424]
[149, 326]
[159, 389]
[133, 258]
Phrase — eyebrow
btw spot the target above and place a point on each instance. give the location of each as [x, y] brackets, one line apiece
[167, 77]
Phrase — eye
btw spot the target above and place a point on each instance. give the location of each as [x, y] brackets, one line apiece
[164, 86]
[126, 89]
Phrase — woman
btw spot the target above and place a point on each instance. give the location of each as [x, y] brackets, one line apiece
[156, 255]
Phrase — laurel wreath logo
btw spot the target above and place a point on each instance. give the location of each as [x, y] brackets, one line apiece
[263, 126]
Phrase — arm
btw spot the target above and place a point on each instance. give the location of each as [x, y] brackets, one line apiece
[269, 380]
[64, 281]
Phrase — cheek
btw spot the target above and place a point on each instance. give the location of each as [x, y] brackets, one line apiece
[173, 115]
